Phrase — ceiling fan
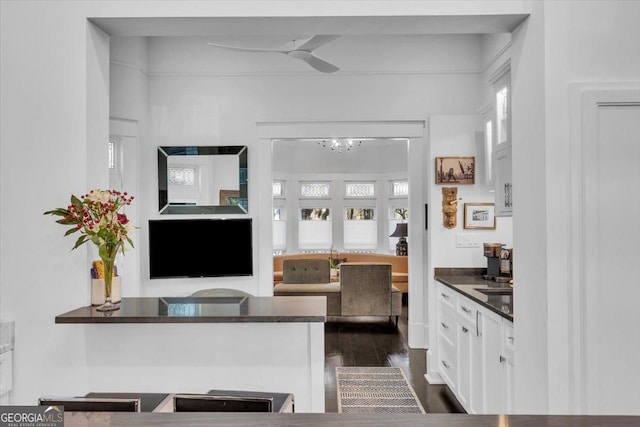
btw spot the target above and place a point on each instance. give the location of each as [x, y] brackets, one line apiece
[298, 49]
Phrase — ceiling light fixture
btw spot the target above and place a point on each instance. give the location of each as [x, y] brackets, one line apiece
[340, 144]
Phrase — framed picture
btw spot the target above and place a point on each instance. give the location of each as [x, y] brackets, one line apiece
[480, 216]
[455, 170]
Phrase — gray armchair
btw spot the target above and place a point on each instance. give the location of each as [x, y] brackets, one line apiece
[367, 290]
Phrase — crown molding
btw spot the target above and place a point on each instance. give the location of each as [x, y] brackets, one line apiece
[312, 73]
[130, 66]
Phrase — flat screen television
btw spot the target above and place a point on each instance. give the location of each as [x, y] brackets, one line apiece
[200, 248]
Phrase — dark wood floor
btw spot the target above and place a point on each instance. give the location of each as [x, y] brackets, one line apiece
[371, 341]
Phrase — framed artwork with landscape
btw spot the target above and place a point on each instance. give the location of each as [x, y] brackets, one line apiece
[480, 216]
[455, 170]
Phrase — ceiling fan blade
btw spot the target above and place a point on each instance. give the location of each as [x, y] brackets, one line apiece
[315, 42]
[246, 49]
[315, 62]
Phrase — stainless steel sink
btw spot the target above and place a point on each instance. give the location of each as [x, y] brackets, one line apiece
[495, 291]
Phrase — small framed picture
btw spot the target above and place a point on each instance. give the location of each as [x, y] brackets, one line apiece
[480, 216]
[455, 170]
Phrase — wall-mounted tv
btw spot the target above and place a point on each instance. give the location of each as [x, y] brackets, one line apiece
[200, 248]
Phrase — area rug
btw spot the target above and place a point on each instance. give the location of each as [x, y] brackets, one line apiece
[375, 390]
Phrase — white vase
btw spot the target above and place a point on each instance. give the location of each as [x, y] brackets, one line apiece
[97, 291]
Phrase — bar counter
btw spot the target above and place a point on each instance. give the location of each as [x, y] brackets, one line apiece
[227, 309]
[191, 345]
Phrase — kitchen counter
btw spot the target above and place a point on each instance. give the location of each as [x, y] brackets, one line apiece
[469, 282]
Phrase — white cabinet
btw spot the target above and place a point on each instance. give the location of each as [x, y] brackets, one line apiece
[507, 360]
[475, 353]
[502, 142]
[503, 181]
[490, 363]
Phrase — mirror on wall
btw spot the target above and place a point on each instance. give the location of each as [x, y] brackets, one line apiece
[202, 179]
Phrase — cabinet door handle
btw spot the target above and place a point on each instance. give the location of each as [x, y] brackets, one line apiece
[444, 325]
[477, 328]
[507, 195]
[510, 339]
[502, 359]
[465, 309]
[445, 296]
[445, 364]
[465, 330]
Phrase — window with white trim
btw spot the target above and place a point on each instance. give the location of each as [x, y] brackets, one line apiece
[360, 229]
[399, 188]
[314, 229]
[360, 189]
[181, 176]
[315, 189]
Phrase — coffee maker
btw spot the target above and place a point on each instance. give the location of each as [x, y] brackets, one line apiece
[492, 252]
[506, 263]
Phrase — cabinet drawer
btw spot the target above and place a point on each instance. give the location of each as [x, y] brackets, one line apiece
[446, 297]
[447, 365]
[508, 339]
[467, 312]
[446, 326]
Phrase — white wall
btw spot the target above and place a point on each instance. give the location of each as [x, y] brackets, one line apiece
[197, 105]
[44, 111]
[560, 43]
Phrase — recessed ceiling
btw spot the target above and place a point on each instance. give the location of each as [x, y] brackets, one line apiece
[301, 27]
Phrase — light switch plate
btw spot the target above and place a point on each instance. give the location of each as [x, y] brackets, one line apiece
[467, 241]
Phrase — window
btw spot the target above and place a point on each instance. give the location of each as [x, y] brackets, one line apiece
[360, 229]
[360, 189]
[277, 189]
[314, 229]
[400, 188]
[112, 155]
[182, 176]
[315, 189]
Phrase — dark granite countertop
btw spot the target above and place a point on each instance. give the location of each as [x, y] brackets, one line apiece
[205, 310]
[195, 419]
[467, 281]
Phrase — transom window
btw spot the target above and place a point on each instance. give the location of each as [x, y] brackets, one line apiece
[400, 188]
[315, 189]
[277, 189]
[360, 189]
[182, 176]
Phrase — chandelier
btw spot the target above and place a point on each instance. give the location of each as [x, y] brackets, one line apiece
[340, 144]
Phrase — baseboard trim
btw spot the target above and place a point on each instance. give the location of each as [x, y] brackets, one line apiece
[418, 333]
[432, 376]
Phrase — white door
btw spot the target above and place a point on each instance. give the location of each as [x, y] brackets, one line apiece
[610, 124]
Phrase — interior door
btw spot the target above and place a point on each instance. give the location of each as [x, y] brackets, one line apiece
[611, 251]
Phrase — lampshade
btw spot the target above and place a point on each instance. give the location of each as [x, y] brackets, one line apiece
[400, 231]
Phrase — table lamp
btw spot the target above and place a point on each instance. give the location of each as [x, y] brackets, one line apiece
[402, 248]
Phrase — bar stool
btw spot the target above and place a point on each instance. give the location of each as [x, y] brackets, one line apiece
[93, 404]
[190, 402]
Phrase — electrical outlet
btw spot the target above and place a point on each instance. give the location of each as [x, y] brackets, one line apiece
[467, 241]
